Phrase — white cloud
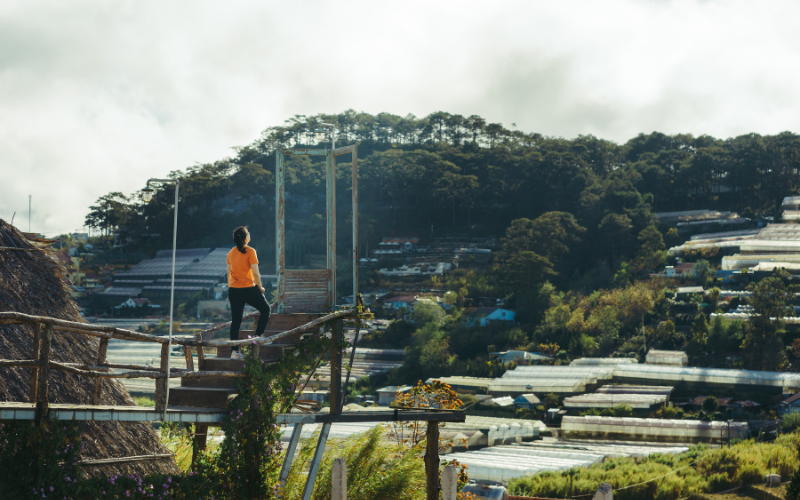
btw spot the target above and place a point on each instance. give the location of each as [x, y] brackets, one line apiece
[100, 95]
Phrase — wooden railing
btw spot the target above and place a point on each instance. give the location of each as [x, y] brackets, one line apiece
[44, 327]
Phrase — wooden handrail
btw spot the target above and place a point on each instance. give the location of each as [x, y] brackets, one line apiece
[122, 334]
[100, 370]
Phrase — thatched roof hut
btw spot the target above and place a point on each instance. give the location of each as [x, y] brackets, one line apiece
[33, 283]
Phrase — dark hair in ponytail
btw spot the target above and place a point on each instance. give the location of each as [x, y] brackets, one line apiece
[239, 237]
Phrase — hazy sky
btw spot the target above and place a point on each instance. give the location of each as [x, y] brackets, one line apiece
[97, 96]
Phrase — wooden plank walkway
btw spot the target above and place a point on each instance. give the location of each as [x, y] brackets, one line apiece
[10, 411]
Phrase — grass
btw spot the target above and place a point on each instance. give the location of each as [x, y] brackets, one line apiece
[700, 471]
[144, 401]
[181, 445]
[375, 470]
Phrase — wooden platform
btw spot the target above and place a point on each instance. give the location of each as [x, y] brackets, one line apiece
[191, 414]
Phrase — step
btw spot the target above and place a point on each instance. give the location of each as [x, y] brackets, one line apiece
[265, 352]
[230, 365]
[210, 382]
[208, 397]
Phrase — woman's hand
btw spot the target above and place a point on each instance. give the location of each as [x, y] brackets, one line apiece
[263, 290]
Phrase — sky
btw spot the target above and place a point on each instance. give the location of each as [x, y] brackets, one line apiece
[98, 96]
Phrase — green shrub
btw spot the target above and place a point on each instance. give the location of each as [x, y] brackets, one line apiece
[749, 474]
[790, 422]
[719, 482]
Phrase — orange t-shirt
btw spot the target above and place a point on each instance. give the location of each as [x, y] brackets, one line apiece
[241, 275]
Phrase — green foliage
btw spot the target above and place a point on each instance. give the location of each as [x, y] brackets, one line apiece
[428, 312]
[764, 332]
[43, 459]
[375, 469]
[667, 477]
[702, 269]
[790, 422]
[620, 410]
[710, 405]
[144, 401]
[725, 334]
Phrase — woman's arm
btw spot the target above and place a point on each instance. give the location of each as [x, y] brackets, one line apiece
[257, 276]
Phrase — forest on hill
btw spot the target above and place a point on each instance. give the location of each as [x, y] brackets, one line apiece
[450, 175]
[573, 220]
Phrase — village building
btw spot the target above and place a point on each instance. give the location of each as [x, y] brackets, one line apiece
[482, 316]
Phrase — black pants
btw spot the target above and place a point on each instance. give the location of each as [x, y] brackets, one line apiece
[251, 296]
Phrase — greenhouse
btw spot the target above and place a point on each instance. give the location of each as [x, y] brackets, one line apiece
[601, 361]
[651, 429]
[745, 380]
[589, 374]
[608, 449]
[503, 463]
[635, 389]
[601, 400]
[516, 386]
[672, 358]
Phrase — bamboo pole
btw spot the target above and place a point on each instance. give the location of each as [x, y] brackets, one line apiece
[42, 396]
[102, 350]
[432, 461]
[162, 383]
[37, 337]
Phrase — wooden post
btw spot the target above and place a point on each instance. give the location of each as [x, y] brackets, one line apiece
[161, 383]
[37, 336]
[187, 353]
[42, 395]
[336, 369]
[339, 479]
[432, 461]
[201, 359]
[102, 350]
[449, 483]
[200, 438]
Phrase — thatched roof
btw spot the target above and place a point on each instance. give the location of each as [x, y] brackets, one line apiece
[33, 283]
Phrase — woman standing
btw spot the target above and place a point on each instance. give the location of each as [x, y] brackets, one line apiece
[244, 286]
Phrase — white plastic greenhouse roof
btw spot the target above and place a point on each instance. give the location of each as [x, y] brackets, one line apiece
[662, 373]
[635, 389]
[653, 427]
[601, 361]
[600, 400]
[525, 385]
[667, 357]
[495, 429]
[609, 449]
[503, 463]
[602, 372]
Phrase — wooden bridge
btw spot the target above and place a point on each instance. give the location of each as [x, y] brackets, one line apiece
[205, 390]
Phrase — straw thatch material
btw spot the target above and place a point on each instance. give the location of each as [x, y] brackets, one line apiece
[33, 283]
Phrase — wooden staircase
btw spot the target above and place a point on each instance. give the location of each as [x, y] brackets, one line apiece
[214, 392]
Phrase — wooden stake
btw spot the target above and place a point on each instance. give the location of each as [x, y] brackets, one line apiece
[200, 438]
[42, 395]
[161, 383]
[336, 369]
[37, 336]
[432, 461]
[187, 353]
[102, 350]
